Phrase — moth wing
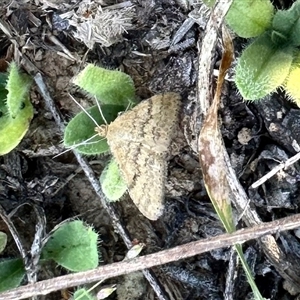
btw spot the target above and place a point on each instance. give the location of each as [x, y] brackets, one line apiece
[144, 172]
[139, 140]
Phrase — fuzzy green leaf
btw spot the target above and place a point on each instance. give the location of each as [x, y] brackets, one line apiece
[81, 128]
[250, 18]
[16, 111]
[110, 87]
[262, 68]
[13, 130]
[286, 26]
[112, 182]
[74, 246]
[18, 86]
[11, 273]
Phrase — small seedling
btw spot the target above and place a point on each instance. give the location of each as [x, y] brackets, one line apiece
[272, 58]
[16, 111]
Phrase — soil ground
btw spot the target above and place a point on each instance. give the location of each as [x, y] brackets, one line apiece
[257, 136]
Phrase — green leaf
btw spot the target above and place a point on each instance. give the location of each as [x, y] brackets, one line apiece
[16, 111]
[73, 245]
[18, 86]
[286, 26]
[250, 18]
[81, 128]
[262, 68]
[11, 273]
[110, 87]
[3, 241]
[112, 182]
[13, 130]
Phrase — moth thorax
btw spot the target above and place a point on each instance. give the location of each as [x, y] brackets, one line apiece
[102, 130]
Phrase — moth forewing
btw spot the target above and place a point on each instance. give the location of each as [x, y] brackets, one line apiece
[139, 140]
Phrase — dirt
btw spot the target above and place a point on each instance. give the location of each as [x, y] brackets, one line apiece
[257, 136]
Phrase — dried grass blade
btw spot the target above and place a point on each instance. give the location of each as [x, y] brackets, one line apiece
[210, 149]
[213, 162]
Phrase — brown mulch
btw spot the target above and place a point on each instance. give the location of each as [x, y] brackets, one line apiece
[257, 137]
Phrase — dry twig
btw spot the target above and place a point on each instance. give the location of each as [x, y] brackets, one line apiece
[151, 260]
[275, 170]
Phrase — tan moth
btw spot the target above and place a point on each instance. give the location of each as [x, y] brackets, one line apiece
[139, 140]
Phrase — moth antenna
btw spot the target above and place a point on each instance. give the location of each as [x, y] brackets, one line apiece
[79, 144]
[86, 112]
[128, 106]
[100, 111]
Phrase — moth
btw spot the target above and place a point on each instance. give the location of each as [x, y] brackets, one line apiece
[139, 140]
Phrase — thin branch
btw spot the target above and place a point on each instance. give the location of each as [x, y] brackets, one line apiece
[152, 260]
[275, 170]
